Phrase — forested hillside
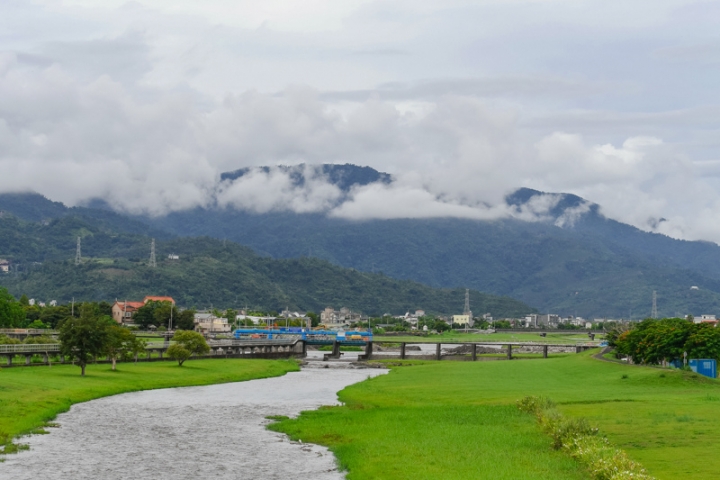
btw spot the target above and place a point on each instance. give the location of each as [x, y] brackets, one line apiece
[208, 273]
[591, 266]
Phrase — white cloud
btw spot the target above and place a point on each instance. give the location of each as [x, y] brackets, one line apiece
[146, 103]
[262, 191]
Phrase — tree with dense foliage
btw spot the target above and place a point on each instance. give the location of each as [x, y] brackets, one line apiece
[84, 338]
[187, 343]
[185, 320]
[122, 344]
[12, 314]
[657, 341]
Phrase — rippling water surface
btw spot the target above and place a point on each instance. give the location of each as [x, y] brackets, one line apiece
[214, 432]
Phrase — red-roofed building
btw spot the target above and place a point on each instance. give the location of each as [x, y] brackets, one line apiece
[158, 299]
[122, 312]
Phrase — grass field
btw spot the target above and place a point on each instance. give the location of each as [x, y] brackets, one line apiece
[32, 396]
[447, 420]
[564, 337]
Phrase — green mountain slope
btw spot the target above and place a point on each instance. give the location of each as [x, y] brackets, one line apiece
[209, 273]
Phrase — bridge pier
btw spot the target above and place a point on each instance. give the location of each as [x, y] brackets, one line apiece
[46, 358]
[368, 352]
[160, 354]
[474, 352]
[304, 349]
[509, 352]
[9, 360]
[545, 351]
[402, 351]
[438, 351]
[28, 358]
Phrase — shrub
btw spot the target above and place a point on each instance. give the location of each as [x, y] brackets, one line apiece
[581, 441]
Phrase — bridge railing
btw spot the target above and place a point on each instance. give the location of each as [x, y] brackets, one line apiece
[27, 331]
[28, 348]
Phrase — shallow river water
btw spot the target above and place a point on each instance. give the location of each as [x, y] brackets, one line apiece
[215, 431]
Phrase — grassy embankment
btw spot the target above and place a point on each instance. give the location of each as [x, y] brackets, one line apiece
[560, 338]
[456, 420]
[30, 397]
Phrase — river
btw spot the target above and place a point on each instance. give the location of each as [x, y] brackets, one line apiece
[215, 431]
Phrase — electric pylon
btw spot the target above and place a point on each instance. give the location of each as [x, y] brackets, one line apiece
[153, 262]
[78, 254]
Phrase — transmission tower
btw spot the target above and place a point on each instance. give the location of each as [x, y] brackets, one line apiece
[654, 307]
[78, 254]
[153, 262]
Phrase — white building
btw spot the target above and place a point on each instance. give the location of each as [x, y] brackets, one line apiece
[209, 323]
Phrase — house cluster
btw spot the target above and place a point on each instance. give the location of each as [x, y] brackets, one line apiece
[4, 266]
[335, 318]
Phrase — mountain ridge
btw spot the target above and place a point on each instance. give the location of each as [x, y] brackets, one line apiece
[570, 260]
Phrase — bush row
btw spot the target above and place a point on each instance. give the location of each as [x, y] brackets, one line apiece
[581, 441]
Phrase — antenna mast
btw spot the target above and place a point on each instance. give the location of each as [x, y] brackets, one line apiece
[78, 254]
[654, 306]
[153, 262]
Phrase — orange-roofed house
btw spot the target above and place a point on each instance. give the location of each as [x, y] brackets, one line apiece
[158, 299]
[122, 312]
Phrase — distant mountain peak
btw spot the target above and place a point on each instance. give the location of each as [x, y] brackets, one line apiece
[564, 209]
[343, 176]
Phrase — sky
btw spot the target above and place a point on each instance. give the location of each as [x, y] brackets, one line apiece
[145, 103]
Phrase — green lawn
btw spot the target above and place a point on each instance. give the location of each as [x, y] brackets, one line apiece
[563, 337]
[32, 396]
[447, 420]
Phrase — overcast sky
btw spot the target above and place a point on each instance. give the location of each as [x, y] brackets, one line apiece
[145, 103]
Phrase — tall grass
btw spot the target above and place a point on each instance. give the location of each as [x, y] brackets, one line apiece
[435, 419]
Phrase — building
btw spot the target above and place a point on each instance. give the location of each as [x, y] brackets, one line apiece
[4, 266]
[328, 316]
[461, 319]
[706, 319]
[209, 323]
[122, 312]
[158, 299]
[549, 320]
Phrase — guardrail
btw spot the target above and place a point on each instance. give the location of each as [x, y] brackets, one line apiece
[31, 347]
[55, 347]
[28, 331]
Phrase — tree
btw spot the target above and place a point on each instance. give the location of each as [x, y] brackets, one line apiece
[314, 320]
[12, 314]
[187, 343]
[163, 312]
[122, 344]
[84, 338]
[185, 320]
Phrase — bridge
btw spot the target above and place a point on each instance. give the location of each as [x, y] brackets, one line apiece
[286, 345]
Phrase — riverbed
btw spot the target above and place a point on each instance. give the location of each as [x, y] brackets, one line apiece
[215, 431]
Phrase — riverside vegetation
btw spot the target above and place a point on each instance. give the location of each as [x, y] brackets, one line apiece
[30, 398]
[457, 420]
